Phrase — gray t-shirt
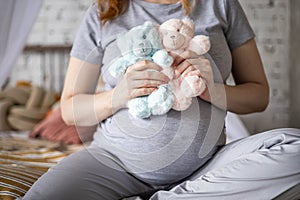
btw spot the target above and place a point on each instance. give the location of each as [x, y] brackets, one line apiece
[164, 149]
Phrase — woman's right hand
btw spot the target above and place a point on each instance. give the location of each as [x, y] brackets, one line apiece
[140, 79]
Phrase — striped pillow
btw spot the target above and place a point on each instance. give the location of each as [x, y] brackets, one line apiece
[20, 169]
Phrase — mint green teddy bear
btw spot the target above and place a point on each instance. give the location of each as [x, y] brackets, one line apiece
[144, 43]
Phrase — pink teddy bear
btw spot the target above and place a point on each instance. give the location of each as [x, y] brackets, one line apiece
[177, 37]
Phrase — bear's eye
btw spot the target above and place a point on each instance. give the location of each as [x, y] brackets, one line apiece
[144, 36]
[178, 30]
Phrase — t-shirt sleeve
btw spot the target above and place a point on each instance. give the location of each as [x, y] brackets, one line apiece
[238, 29]
[87, 43]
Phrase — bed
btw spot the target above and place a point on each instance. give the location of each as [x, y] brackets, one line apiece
[23, 160]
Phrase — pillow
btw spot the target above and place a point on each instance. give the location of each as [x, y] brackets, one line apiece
[53, 128]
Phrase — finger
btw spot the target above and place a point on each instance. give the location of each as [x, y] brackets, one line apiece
[200, 63]
[146, 83]
[184, 56]
[141, 92]
[181, 68]
[177, 59]
[150, 75]
[187, 70]
[144, 65]
[194, 73]
[206, 76]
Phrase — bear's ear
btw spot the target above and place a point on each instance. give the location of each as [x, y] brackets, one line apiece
[171, 24]
[155, 38]
[189, 22]
[124, 42]
[148, 24]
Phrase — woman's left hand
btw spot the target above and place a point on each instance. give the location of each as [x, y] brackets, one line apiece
[189, 63]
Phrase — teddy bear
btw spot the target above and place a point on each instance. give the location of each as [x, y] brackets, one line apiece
[143, 42]
[178, 36]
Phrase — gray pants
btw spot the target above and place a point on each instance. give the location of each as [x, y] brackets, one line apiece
[263, 166]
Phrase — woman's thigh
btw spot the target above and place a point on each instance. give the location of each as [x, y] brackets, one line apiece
[91, 173]
[262, 166]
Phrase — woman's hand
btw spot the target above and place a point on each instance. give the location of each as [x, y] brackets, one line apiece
[189, 63]
[250, 92]
[140, 79]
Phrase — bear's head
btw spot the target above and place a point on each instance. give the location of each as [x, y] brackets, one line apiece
[177, 33]
[140, 41]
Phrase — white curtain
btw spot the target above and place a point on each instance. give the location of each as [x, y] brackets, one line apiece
[16, 20]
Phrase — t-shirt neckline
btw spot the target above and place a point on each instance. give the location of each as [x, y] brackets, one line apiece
[151, 5]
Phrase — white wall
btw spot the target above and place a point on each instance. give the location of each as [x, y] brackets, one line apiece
[56, 26]
[270, 20]
[295, 64]
[59, 20]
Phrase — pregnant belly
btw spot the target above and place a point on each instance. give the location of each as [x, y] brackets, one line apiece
[163, 164]
[169, 145]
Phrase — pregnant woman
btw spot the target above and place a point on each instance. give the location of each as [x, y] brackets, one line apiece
[179, 155]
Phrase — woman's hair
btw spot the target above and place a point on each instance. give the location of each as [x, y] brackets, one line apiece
[110, 9]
